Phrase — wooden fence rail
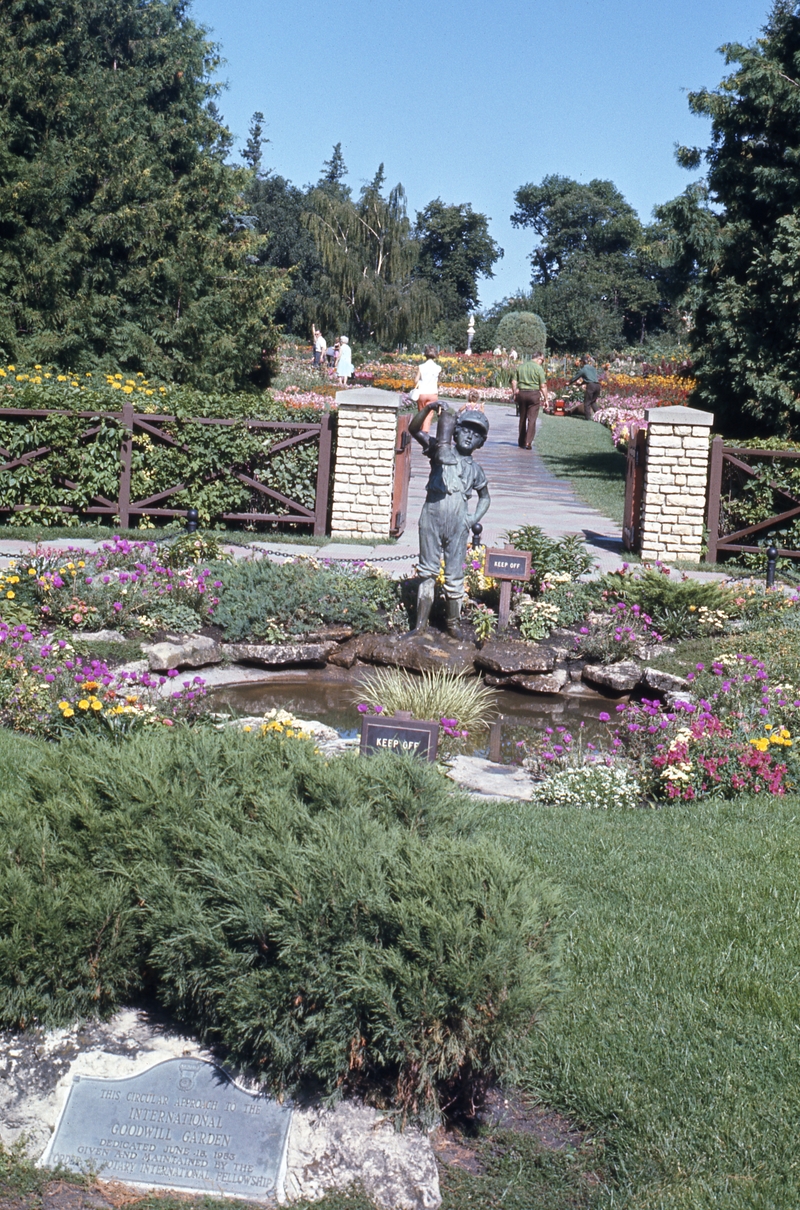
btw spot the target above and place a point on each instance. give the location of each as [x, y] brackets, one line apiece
[733, 459]
[158, 505]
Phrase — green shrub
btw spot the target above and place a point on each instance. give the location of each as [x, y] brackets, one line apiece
[679, 609]
[557, 556]
[320, 920]
[523, 331]
[301, 596]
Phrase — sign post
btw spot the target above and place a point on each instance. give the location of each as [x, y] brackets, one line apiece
[506, 565]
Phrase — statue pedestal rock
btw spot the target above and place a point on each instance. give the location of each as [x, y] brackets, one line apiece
[445, 520]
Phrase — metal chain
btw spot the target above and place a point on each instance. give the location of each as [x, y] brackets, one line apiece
[16, 554]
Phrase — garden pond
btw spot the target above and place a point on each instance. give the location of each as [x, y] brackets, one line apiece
[330, 696]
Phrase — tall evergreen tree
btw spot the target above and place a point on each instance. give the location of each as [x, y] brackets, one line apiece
[737, 240]
[118, 239]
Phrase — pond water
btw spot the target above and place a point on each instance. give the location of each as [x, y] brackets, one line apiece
[330, 695]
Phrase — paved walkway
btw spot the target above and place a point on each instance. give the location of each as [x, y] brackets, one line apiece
[523, 492]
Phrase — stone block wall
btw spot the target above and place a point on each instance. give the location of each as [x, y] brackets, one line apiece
[363, 478]
[676, 480]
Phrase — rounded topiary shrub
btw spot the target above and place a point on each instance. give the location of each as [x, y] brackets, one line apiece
[523, 331]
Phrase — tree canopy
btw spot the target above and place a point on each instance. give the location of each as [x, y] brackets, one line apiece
[735, 238]
[594, 282]
[455, 249]
[120, 241]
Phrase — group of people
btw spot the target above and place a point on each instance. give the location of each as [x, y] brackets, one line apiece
[338, 355]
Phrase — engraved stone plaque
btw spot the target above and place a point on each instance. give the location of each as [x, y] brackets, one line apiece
[184, 1124]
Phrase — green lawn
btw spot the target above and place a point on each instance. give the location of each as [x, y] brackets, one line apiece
[585, 454]
[679, 1037]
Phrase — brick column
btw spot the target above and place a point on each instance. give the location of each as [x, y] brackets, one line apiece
[364, 474]
[676, 478]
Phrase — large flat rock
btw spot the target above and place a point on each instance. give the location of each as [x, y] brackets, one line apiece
[620, 678]
[506, 656]
[195, 651]
[327, 1149]
[429, 652]
[490, 780]
[538, 682]
[276, 655]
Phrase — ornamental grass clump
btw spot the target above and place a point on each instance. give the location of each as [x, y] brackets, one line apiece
[325, 921]
[448, 697]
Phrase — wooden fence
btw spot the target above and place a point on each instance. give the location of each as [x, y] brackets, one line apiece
[730, 464]
[159, 504]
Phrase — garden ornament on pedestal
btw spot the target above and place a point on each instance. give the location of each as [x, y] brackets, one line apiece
[445, 521]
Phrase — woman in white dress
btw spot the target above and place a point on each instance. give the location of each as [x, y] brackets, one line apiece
[427, 384]
[344, 361]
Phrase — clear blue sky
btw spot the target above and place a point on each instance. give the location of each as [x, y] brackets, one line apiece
[469, 100]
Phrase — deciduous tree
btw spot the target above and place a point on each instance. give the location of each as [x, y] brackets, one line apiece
[737, 237]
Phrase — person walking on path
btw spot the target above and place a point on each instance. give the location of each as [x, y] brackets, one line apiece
[344, 361]
[591, 386]
[528, 386]
[427, 385]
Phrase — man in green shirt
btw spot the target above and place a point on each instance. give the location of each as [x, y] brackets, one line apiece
[527, 389]
[591, 386]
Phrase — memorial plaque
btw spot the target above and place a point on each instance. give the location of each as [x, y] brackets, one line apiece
[507, 564]
[393, 733]
[184, 1124]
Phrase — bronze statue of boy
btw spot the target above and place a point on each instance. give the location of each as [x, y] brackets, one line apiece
[444, 522]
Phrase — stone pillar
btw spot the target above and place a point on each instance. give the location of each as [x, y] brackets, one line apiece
[676, 478]
[363, 478]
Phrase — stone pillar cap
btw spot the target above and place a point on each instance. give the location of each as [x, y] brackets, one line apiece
[677, 414]
[368, 397]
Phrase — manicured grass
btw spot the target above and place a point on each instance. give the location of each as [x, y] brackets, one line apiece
[678, 1038]
[585, 454]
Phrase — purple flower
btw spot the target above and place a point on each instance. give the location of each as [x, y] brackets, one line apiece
[362, 708]
[379, 709]
[604, 717]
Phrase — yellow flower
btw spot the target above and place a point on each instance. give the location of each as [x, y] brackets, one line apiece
[88, 373]
[96, 704]
[48, 375]
[68, 713]
[83, 704]
[90, 686]
[248, 728]
[148, 392]
[127, 390]
[13, 579]
[64, 705]
[11, 595]
[118, 376]
[116, 385]
[12, 368]
[37, 367]
[31, 571]
[760, 744]
[61, 378]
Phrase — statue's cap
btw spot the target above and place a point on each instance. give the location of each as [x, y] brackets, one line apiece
[477, 419]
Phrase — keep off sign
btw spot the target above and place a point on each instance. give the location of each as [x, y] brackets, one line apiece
[505, 566]
[406, 735]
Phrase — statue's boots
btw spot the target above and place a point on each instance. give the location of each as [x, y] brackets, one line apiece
[454, 626]
[425, 594]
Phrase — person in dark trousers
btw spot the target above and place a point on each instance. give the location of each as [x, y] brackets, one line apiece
[527, 388]
[591, 386]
